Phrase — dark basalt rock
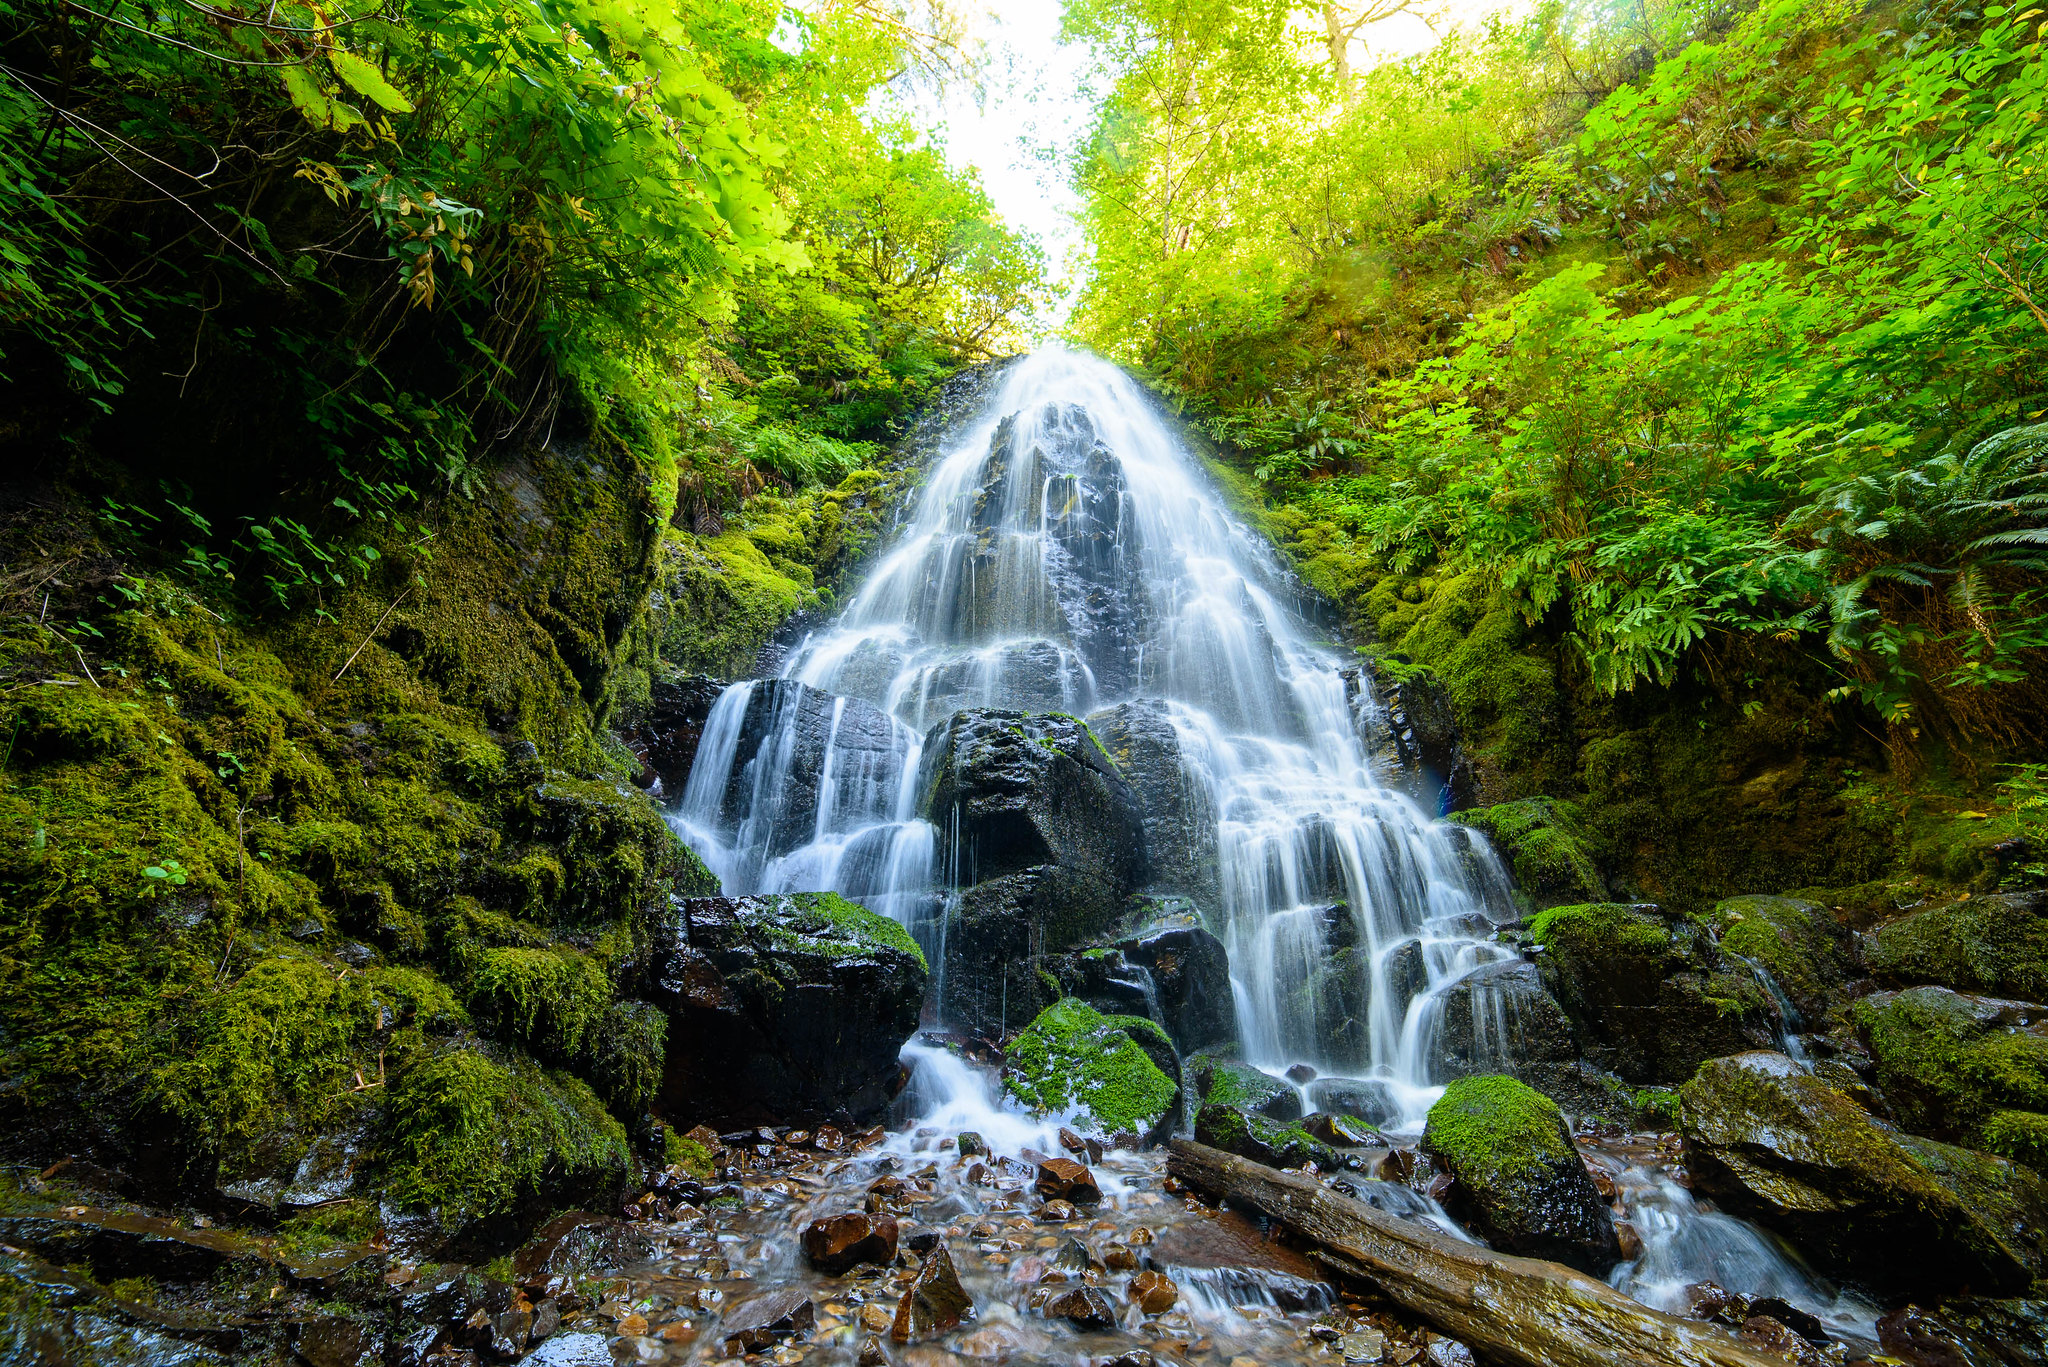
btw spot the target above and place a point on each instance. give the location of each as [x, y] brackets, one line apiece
[1519, 1179]
[1969, 1331]
[1011, 792]
[1180, 823]
[1225, 1082]
[1181, 972]
[1901, 1214]
[1275, 1143]
[666, 740]
[788, 1009]
[997, 934]
[1996, 945]
[1369, 1099]
[1647, 994]
[1498, 1019]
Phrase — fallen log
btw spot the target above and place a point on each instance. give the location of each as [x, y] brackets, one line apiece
[1510, 1309]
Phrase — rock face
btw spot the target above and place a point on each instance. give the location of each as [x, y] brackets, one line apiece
[1898, 1213]
[1647, 994]
[1179, 975]
[1520, 1180]
[1180, 822]
[1804, 949]
[666, 742]
[787, 1009]
[997, 937]
[1963, 1068]
[1543, 841]
[1498, 1019]
[1106, 1066]
[1996, 945]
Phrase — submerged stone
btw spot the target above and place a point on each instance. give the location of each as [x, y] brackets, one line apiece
[1520, 1181]
[787, 1009]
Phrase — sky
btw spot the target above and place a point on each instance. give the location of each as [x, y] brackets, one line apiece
[1037, 101]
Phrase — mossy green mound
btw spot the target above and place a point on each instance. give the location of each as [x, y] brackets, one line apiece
[1073, 1059]
[1545, 846]
[1226, 1082]
[1969, 1069]
[1996, 944]
[1262, 1139]
[826, 923]
[1798, 943]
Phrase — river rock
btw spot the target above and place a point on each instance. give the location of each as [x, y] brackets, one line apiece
[1011, 792]
[838, 1243]
[1153, 1291]
[1969, 1069]
[579, 1246]
[1084, 1307]
[1970, 1331]
[1179, 820]
[1996, 945]
[1520, 1181]
[1498, 1019]
[1901, 1214]
[1105, 1069]
[1250, 1135]
[1804, 949]
[1647, 994]
[1063, 1179]
[934, 1301]
[787, 1009]
[768, 1320]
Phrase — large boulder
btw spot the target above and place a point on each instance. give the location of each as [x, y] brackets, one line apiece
[1649, 997]
[1520, 1181]
[1499, 1019]
[1179, 976]
[1995, 945]
[993, 977]
[1011, 792]
[1804, 949]
[1180, 819]
[1543, 842]
[787, 1009]
[1227, 1082]
[1276, 1143]
[1771, 1142]
[1104, 1071]
[1964, 1068]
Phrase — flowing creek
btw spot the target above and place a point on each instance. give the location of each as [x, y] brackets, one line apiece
[1067, 554]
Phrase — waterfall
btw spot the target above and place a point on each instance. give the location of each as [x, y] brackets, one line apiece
[1068, 553]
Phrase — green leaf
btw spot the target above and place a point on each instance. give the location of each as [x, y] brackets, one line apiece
[365, 79]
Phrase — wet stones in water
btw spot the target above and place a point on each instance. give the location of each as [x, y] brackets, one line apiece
[1062, 1179]
[1368, 1099]
[1084, 1307]
[971, 1145]
[1231, 1254]
[1775, 1144]
[768, 1320]
[1519, 1179]
[1084, 1150]
[580, 1349]
[578, 1246]
[1153, 1292]
[1073, 1259]
[1968, 1330]
[1346, 1131]
[1058, 1212]
[888, 1194]
[872, 1353]
[935, 1300]
[838, 1243]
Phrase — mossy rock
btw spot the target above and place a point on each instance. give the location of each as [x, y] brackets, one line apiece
[1276, 1143]
[1800, 944]
[1646, 993]
[1996, 945]
[1520, 1180]
[1904, 1215]
[1544, 845]
[1074, 1061]
[1226, 1082]
[1973, 1070]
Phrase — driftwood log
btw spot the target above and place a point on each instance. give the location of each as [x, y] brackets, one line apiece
[1510, 1309]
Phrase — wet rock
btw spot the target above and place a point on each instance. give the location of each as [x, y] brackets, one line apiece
[1301, 1074]
[1000, 935]
[1181, 973]
[578, 1246]
[1806, 952]
[1498, 1019]
[769, 1320]
[1222, 1082]
[1996, 945]
[872, 1353]
[1341, 1130]
[1520, 1181]
[1967, 1332]
[790, 1008]
[1153, 1291]
[118, 1244]
[1058, 1212]
[1964, 1068]
[1253, 1136]
[1439, 1351]
[1784, 1148]
[971, 1145]
[666, 741]
[1800, 1322]
[1648, 996]
[1174, 807]
[580, 1349]
[1368, 1099]
[1102, 1068]
[1544, 843]
[1084, 1307]
[1073, 1258]
[335, 1342]
[1233, 1258]
[1062, 1179]
[838, 1243]
[935, 1300]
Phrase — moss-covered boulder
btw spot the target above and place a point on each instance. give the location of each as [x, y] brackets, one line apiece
[1780, 1146]
[1806, 951]
[1223, 1081]
[1969, 1069]
[1276, 1143]
[1646, 992]
[1544, 845]
[1996, 945]
[1101, 1072]
[1520, 1181]
[786, 1009]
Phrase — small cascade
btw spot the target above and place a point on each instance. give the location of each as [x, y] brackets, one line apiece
[1788, 1023]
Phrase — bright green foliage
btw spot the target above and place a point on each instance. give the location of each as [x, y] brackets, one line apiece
[1074, 1060]
[828, 923]
[1544, 846]
[689, 1155]
[547, 999]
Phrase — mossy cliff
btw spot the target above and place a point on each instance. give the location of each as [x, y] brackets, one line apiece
[368, 869]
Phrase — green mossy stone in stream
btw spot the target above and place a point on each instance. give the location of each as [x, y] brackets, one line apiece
[1996, 944]
[1227, 1082]
[1519, 1177]
[1275, 1143]
[1073, 1059]
[1799, 943]
[687, 1154]
[1969, 1069]
[1544, 845]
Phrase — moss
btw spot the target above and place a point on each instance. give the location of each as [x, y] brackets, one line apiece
[622, 1055]
[827, 923]
[1544, 846]
[1797, 942]
[1604, 930]
[1954, 1069]
[1990, 944]
[1074, 1059]
[546, 999]
[1494, 1131]
[1249, 1135]
[473, 1137]
[687, 1154]
[1241, 1085]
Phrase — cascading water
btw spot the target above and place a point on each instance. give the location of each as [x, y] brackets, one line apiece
[1064, 555]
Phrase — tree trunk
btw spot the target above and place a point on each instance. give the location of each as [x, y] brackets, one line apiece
[1340, 51]
[1509, 1309]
